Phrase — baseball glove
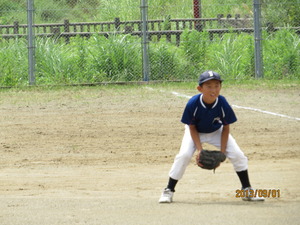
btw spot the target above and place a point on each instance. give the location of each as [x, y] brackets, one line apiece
[210, 160]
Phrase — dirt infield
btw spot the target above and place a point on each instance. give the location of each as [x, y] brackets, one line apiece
[101, 155]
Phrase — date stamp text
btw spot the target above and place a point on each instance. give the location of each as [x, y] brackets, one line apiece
[251, 193]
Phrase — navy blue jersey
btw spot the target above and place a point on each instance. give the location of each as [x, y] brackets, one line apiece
[208, 119]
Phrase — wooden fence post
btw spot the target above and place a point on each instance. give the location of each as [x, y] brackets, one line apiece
[199, 26]
[220, 16]
[16, 27]
[128, 29]
[168, 36]
[55, 31]
[117, 23]
[67, 30]
[178, 39]
[270, 27]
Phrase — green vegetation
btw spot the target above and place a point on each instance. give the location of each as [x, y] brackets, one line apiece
[88, 60]
[119, 58]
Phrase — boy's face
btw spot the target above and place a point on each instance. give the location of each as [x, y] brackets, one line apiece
[210, 90]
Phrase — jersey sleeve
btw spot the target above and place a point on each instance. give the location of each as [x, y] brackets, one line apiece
[188, 116]
[228, 116]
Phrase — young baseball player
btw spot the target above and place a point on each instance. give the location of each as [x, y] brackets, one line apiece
[207, 117]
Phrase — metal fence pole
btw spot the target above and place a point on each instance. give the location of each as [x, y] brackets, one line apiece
[31, 45]
[145, 40]
[257, 38]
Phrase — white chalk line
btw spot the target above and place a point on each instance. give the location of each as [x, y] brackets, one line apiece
[242, 107]
[266, 112]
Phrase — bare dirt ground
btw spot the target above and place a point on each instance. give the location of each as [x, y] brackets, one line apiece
[101, 155]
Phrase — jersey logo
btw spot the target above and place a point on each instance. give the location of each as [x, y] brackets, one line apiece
[217, 119]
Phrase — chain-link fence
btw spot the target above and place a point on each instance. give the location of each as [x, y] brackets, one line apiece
[94, 41]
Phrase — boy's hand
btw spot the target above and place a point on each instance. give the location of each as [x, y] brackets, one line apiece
[198, 158]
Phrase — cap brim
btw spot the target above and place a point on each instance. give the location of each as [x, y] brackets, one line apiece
[210, 78]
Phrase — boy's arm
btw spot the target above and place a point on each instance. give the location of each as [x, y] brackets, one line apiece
[195, 136]
[224, 138]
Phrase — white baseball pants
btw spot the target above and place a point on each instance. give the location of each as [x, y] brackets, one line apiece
[187, 149]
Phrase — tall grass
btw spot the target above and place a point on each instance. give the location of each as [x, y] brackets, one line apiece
[119, 58]
[97, 59]
[282, 54]
[233, 55]
[13, 62]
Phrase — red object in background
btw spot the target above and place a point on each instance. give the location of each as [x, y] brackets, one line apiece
[197, 14]
[196, 8]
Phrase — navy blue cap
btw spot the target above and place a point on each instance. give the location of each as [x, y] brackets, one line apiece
[209, 75]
